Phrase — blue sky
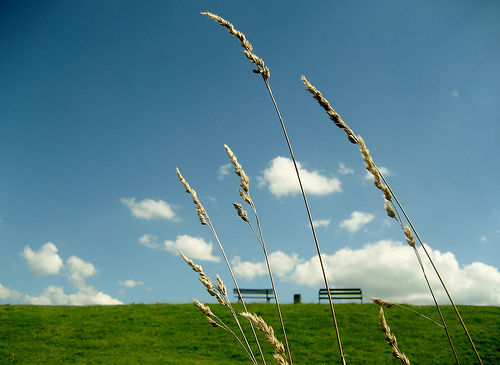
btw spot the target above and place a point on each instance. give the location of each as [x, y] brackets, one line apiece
[101, 101]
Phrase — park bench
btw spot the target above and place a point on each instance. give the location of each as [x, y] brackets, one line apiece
[349, 293]
[255, 293]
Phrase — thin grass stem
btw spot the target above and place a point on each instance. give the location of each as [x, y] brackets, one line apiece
[390, 304]
[323, 270]
[388, 196]
[435, 270]
[245, 195]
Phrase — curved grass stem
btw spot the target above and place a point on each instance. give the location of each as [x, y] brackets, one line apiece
[322, 265]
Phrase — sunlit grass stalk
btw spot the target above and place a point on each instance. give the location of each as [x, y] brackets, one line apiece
[436, 271]
[391, 340]
[205, 220]
[216, 322]
[279, 350]
[264, 71]
[390, 198]
[245, 195]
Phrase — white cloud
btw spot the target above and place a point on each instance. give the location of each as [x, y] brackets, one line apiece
[455, 94]
[281, 265]
[78, 270]
[47, 261]
[54, 295]
[130, 283]
[44, 262]
[344, 170]
[321, 223]
[281, 179]
[389, 270]
[196, 248]
[248, 270]
[6, 293]
[150, 209]
[383, 170]
[224, 171]
[357, 221]
[150, 241]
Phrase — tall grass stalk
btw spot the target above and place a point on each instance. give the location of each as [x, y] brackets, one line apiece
[205, 220]
[245, 196]
[437, 273]
[391, 204]
[390, 198]
[265, 73]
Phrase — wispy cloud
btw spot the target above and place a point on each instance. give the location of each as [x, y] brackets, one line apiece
[281, 179]
[9, 294]
[150, 209]
[130, 283]
[374, 268]
[321, 222]
[44, 262]
[150, 241]
[344, 170]
[357, 221]
[195, 248]
[223, 171]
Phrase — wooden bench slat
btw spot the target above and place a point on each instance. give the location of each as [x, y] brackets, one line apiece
[341, 293]
[268, 294]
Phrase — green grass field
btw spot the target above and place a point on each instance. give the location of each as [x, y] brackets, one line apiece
[179, 334]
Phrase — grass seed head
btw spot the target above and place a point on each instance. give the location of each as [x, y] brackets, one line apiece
[389, 210]
[334, 116]
[409, 236]
[247, 47]
[381, 302]
[190, 262]
[205, 309]
[241, 212]
[391, 340]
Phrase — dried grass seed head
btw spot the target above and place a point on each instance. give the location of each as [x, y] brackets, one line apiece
[190, 262]
[241, 212]
[220, 286]
[268, 331]
[212, 322]
[334, 116]
[381, 302]
[262, 69]
[199, 208]
[391, 340]
[205, 309]
[409, 236]
[389, 210]
[238, 170]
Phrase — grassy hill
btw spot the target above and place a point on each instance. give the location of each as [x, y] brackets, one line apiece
[179, 334]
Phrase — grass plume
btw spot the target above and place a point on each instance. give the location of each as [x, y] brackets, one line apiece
[390, 204]
[391, 340]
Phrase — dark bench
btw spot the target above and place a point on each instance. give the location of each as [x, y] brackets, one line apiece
[349, 293]
[255, 293]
